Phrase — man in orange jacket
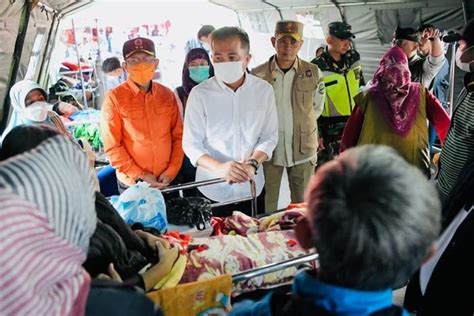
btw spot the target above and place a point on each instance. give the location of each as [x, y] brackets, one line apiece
[140, 123]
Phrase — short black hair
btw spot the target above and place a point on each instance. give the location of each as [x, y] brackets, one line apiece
[24, 138]
[227, 32]
[205, 30]
[111, 64]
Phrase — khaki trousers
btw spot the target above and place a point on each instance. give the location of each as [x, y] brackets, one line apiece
[298, 177]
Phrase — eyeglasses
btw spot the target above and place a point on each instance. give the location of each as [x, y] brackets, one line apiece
[285, 41]
[135, 60]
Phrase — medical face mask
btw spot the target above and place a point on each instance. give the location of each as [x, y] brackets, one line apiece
[199, 73]
[229, 71]
[141, 73]
[36, 112]
[465, 66]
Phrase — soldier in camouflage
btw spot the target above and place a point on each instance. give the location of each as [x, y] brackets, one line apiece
[342, 75]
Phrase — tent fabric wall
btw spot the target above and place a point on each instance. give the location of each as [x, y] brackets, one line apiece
[9, 24]
[373, 21]
[40, 22]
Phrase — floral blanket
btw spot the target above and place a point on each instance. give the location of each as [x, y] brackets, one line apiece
[234, 253]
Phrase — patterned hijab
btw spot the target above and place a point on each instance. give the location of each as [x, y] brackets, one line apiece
[47, 216]
[193, 54]
[394, 93]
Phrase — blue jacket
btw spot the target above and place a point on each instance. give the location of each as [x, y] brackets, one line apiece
[333, 299]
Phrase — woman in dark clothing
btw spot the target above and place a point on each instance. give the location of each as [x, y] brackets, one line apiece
[113, 241]
[196, 69]
[45, 229]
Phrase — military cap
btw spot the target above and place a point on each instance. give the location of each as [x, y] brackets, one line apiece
[289, 28]
[341, 30]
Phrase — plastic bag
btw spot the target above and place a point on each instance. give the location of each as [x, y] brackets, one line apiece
[142, 204]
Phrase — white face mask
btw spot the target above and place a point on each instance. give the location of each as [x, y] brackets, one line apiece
[229, 71]
[37, 112]
[462, 65]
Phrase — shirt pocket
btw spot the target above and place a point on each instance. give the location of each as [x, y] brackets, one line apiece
[308, 140]
[304, 94]
[135, 124]
[162, 120]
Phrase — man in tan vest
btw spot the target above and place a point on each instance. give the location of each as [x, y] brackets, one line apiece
[299, 94]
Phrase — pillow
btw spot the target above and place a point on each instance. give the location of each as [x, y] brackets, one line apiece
[234, 254]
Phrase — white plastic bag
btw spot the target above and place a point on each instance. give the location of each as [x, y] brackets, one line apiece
[142, 204]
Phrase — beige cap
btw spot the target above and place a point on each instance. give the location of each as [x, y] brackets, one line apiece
[289, 28]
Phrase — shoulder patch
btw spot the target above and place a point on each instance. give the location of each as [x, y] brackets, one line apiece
[309, 73]
[321, 88]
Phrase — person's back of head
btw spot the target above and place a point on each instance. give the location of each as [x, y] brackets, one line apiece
[111, 64]
[24, 138]
[373, 218]
[205, 31]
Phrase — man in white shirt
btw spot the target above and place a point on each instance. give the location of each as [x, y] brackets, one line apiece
[231, 124]
[299, 93]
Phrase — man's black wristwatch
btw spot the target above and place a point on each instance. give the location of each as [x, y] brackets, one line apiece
[254, 163]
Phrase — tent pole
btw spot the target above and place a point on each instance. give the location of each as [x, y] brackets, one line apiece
[20, 40]
[84, 95]
[49, 39]
[452, 78]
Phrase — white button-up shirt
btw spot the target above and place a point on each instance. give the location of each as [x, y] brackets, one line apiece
[228, 125]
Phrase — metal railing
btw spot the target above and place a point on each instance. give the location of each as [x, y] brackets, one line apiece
[193, 185]
[242, 276]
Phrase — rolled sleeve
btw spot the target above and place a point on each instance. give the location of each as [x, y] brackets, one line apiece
[194, 128]
[269, 136]
[431, 67]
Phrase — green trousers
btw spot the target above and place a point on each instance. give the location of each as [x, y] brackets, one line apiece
[298, 178]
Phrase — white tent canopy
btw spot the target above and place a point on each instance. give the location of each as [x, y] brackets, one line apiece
[26, 50]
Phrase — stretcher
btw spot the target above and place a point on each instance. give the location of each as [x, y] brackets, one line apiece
[197, 184]
[249, 274]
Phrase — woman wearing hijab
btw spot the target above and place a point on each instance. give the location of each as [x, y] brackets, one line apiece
[197, 68]
[46, 224]
[113, 240]
[29, 104]
[393, 111]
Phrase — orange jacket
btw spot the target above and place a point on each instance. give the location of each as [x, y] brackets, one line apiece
[142, 132]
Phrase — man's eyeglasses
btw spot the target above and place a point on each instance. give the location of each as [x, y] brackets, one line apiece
[145, 60]
[285, 41]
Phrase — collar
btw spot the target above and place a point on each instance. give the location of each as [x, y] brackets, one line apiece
[273, 64]
[340, 300]
[415, 58]
[135, 89]
[225, 87]
[333, 63]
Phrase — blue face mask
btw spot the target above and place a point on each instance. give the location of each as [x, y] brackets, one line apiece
[199, 73]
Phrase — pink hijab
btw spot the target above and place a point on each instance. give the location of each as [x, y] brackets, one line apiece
[394, 93]
[41, 273]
